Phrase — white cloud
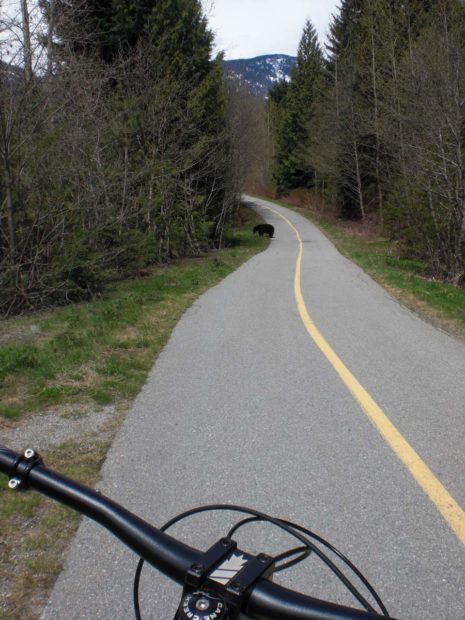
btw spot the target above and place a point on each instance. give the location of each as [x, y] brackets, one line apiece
[247, 28]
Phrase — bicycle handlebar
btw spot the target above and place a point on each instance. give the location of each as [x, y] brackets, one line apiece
[267, 600]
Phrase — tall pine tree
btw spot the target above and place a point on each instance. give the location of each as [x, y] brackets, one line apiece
[101, 29]
[368, 39]
[293, 132]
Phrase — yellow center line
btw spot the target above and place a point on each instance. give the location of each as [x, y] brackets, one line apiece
[444, 502]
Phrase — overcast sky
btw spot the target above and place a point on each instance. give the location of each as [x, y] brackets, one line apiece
[248, 28]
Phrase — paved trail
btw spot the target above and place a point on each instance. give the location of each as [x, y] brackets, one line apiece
[242, 406]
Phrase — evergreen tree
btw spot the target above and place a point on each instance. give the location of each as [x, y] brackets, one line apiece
[386, 130]
[182, 43]
[293, 132]
[101, 29]
[343, 28]
[368, 39]
[105, 28]
[180, 32]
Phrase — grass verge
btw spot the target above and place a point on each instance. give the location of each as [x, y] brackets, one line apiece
[406, 279]
[100, 352]
[85, 356]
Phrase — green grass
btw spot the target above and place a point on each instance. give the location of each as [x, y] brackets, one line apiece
[10, 412]
[406, 278]
[101, 351]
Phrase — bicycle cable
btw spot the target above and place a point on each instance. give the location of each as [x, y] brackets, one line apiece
[297, 531]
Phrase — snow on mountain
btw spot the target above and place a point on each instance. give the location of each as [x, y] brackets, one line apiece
[260, 73]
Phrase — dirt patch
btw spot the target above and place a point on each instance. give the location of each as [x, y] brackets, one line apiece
[51, 428]
[84, 378]
[21, 332]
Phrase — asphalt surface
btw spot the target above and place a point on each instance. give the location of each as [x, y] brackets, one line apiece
[242, 407]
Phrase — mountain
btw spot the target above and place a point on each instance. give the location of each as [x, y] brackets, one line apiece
[260, 73]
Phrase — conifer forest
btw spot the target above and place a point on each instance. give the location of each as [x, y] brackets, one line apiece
[375, 123]
[122, 146]
[115, 148]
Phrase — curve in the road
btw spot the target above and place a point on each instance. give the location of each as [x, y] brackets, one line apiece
[438, 494]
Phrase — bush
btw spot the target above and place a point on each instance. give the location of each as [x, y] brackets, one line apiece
[129, 250]
[80, 272]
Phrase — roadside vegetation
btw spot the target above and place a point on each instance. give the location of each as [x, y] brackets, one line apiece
[80, 367]
[117, 150]
[372, 124]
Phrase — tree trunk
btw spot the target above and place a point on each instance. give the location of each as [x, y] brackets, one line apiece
[125, 187]
[27, 48]
[50, 34]
[359, 180]
[377, 129]
[10, 212]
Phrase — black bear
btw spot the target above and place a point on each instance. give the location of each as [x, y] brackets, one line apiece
[264, 229]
